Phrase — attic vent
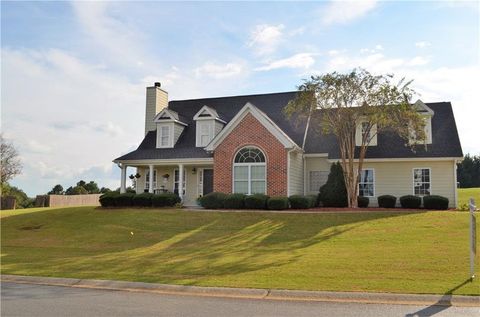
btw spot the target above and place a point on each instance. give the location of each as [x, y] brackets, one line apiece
[205, 115]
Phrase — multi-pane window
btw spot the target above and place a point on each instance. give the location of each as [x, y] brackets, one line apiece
[205, 137]
[366, 186]
[365, 131]
[176, 182]
[317, 179]
[421, 181]
[249, 172]
[164, 136]
[147, 179]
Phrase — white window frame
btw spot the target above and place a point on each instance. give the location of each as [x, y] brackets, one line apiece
[210, 126]
[199, 182]
[310, 190]
[176, 181]
[428, 132]
[373, 183]
[359, 133]
[160, 135]
[249, 169]
[430, 182]
[147, 179]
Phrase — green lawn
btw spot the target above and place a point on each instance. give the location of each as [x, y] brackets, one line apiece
[464, 194]
[385, 252]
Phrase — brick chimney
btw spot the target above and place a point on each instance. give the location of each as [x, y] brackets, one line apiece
[157, 100]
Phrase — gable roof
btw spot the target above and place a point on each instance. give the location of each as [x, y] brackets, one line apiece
[249, 108]
[444, 131]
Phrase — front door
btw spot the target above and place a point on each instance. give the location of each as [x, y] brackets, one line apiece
[207, 181]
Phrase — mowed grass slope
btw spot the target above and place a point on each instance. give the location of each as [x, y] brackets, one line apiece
[381, 252]
[464, 195]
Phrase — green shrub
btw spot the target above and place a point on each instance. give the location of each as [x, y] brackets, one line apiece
[124, 200]
[234, 201]
[165, 200]
[334, 193]
[363, 202]
[142, 200]
[213, 200]
[312, 200]
[299, 202]
[277, 203]
[387, 201]
[410, 202]
[256, 201]
[435, 202]
[108, 199]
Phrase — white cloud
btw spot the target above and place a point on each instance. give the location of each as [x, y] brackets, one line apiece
[265, 38]
[301, 60]
[340, 12]
[418, 61]
[422, 44]
[218, 71]
[376, 49]
[66, 115]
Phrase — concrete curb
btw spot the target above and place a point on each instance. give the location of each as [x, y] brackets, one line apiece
[252, 293]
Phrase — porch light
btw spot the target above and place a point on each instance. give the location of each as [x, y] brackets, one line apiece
[194, 170]
[131, 176]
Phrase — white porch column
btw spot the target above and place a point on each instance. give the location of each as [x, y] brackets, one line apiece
[150, 179]
[123, 179]
[180, 181]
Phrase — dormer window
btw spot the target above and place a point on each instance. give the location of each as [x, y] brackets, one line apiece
[208, 124]
[427, 115]
[205, 134]
[169, 128]
[364, 131]
[164, 136]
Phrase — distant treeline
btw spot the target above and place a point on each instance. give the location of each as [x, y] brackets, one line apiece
[468, 171]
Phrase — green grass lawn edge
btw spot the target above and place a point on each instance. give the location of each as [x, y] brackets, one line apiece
[373, 252]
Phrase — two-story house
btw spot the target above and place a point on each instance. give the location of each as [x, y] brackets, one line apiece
[244, 144]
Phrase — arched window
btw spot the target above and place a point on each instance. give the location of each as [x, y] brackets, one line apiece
[249, 176]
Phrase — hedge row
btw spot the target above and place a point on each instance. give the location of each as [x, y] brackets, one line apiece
[414, 202]
[114, 199]
[218, 200]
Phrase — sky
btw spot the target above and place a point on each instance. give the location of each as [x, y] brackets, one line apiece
[73, 74]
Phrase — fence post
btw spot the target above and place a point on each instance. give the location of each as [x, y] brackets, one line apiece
[473, 237]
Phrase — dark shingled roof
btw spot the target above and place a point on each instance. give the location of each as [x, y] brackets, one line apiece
[444, 131]
[444, 136]
[227, 108]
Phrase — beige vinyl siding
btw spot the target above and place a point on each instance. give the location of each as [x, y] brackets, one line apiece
[177, 131]
[295, 173]
[396, 178]
[314, 164]
[157, 99]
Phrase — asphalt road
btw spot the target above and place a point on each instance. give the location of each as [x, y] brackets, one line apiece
[39, 300]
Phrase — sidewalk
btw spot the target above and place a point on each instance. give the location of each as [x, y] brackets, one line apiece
[269, 294]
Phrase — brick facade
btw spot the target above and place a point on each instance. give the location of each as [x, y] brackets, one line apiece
[251, 132]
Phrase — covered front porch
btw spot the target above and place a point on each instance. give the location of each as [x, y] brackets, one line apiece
[164, 176]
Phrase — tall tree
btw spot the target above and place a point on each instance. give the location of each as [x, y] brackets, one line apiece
[91, 187]
[468, 171]
[11, 164]
[338, 103]
[56, 190]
